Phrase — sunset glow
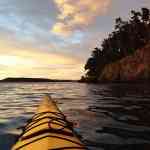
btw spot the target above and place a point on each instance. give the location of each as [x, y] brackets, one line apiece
[54, 38]
[14, 61]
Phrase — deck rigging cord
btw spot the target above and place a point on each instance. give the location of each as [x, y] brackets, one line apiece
[58, 119]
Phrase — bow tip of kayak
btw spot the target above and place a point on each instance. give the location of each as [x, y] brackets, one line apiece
[47, 104]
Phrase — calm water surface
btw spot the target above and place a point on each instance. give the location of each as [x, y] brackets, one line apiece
[110, 116]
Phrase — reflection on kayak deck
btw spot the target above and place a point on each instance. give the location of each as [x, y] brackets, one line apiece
[110, 116]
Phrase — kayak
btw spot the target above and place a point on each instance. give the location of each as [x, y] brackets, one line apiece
[48, 129]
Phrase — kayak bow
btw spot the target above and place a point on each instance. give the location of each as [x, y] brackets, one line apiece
[48, 130]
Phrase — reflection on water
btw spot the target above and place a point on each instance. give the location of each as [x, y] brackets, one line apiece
[111, 116]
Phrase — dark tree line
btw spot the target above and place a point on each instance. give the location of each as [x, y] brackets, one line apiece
[127, 37]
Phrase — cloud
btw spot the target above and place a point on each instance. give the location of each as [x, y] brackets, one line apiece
[28, 62]
[62, 29]
[75, 15]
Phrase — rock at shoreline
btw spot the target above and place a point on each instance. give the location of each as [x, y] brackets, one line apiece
[131, 68]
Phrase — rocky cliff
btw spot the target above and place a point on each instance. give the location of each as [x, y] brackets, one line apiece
[131, 68]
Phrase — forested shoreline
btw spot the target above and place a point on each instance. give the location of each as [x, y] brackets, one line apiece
[127, 37]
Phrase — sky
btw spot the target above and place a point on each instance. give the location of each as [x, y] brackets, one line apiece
[54, 38]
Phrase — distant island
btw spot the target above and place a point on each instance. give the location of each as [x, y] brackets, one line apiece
[33, 80]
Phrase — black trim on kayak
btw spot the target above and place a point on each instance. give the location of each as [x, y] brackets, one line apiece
[46, 122]
[54, 113]
[51, 120]
[52, 137]
[62, 132]
[34, 118]
[46, 117]
[62, 122]
[64, 148]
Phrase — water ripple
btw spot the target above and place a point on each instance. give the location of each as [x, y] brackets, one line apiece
[110, 116]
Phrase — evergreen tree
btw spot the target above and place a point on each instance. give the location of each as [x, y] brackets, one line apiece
[127, 37]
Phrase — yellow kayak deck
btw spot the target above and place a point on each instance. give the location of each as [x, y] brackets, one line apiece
[48, 130]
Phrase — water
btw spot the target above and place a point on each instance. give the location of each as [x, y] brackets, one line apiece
[110, 116]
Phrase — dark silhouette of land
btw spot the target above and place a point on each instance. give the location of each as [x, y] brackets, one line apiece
[34, 80]
[127, 37]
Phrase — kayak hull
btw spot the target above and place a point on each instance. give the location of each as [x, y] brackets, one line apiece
[48, 130]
